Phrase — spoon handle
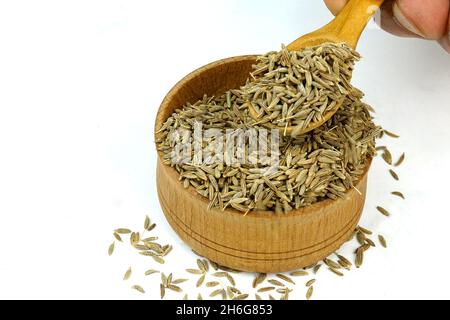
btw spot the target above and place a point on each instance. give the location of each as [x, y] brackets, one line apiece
[351, 21]
[346, 27]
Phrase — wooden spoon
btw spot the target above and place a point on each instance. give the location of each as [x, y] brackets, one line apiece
[346, 27]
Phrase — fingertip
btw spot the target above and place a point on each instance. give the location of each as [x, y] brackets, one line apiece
[388, 23]
[427, 19]
[335, 6]
[405, 22]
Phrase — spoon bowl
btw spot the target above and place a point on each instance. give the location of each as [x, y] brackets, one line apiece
[347, 28]
[290, 130]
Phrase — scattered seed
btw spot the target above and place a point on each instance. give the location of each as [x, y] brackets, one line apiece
[117, 236]
[382, 241]
[158, 259]
[231, 293]
[214, 265]
[200, 281]
[146, 223]
[201, 265]
[370, 242]
[276, 282]
[164, 279]
[174, 288]
[233, 290]
[387, 156]
[345, 263]
[391, 134]
[134, 238]
[194, 271]
[127, 274]
[330, 263]
[122, 231]
[383, 211]
[398, 194]
[361, 238]
[394, 174]
[285, 278]
[310, 282]
[285, 296]
[265, 289]
[299, 273]
[206, 264]
[167, 250]
[151, 271]
[317, 268]
[259, 278]
[365, 231]
[178, 281]
[283, 290]
[150, 239]
[138, 288]
[140, 247]
[231, 279]
[111, 249]
[340, 274]
[220, 274]
[400, 160]
[359, 257]
[309, 293]
[212, 284]
[217, 292]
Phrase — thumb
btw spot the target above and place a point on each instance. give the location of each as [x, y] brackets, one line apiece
[428, 19]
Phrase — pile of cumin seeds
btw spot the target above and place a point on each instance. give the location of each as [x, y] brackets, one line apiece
[321, 164]
[296, 88]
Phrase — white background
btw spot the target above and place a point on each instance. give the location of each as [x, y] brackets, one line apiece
[80, 84]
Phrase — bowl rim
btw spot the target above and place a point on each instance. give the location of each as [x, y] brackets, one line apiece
[173, 174]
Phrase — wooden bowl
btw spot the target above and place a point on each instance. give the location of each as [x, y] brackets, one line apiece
[259, 241]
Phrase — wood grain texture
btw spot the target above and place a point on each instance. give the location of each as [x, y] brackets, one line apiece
[259, 241]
